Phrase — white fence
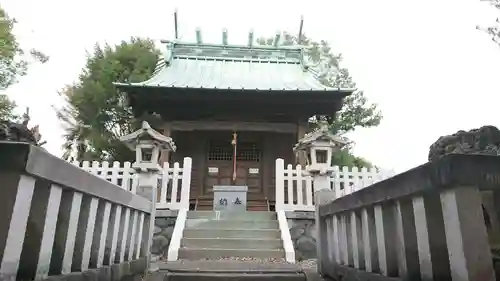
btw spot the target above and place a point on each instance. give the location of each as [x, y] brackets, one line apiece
[294, 187]
[173, 181]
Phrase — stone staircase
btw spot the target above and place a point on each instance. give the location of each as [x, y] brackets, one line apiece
[231, 246]
[214, 235]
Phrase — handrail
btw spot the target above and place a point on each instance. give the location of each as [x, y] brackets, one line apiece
[285, 236]
[427, 222]
[81, 221]
[175, 242]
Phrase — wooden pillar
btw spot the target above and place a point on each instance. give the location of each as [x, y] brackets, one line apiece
[164, 155]
[302, 129]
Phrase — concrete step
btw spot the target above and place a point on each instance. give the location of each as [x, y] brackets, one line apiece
[252, 215]
[232, 243]
[227, 270]
[232, 233]
[231, 224]
[258, 208]
[215, 253]
[233, 276]
[204, 208]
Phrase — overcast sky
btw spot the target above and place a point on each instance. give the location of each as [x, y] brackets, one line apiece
[423, 62]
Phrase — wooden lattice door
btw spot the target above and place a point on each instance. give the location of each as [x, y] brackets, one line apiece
[248, 166]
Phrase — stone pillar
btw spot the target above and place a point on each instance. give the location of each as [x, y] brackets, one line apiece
[490, 205]
[322, 195]
[466, 237]
[148, 181]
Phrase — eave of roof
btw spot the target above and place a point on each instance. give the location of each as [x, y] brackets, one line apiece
[343, 91]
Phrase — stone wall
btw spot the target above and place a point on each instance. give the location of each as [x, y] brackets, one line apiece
[303, 232]
[164, 226]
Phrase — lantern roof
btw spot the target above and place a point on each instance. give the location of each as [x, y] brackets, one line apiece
[148, 133]
[323, 134]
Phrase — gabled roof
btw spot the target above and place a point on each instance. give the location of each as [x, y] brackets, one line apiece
[222, 66]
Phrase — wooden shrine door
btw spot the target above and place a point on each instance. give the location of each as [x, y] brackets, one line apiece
[220, 165]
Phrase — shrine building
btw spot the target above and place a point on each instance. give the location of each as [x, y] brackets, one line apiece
[234, 109]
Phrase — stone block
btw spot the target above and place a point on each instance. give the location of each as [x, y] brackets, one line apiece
[164, 227]
[230, 198]
[303, 234]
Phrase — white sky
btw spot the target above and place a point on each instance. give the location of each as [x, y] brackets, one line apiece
[423, 62]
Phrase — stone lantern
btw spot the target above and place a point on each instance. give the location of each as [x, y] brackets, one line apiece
[147, 144]
[319, 147]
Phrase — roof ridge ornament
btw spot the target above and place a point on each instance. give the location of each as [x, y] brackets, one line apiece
[199, 40]
[168, 53]
[250, 38]
[224, 37]
[277, 39]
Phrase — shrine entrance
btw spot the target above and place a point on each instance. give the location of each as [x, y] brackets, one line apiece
[234, 159]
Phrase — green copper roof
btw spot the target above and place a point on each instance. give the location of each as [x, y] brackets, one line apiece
[198, 65]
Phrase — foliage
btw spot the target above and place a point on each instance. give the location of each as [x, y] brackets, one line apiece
[13, 60]
[13, 63]
[7, 108]
[493, 30]
[356, 111]
[345, 158]
[95, 115]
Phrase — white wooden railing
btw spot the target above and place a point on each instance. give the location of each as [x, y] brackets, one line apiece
[294, 187]
[177, 234]
[173, 180]
[285, 236]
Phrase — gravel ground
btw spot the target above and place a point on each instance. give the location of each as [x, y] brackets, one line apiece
[305, 264]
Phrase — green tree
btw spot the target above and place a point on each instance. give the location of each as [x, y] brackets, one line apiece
[493, 30]
[345, 158]
[95, 114]
[13, 62]
[356, 111]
